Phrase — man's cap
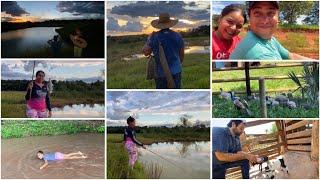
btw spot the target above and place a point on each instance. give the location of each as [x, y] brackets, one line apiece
[274, 3]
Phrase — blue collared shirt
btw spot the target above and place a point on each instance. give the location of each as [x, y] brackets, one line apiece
[224, 141]
[172, 43]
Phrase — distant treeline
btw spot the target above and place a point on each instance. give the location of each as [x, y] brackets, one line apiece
[21, 85]
[9, 26]
[161, 129]
[199, 31]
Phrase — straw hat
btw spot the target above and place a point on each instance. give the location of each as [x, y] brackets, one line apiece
[164, 21]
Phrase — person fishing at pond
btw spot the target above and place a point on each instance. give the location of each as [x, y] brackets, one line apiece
[55, 156]
[55, 45]
[79, 42]
[227, 150]
[131, 142]
[167, 47]
[37, 97]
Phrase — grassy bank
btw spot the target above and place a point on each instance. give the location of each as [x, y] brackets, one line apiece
[225, 109]
[22, 128]
[150, 138]
[118, 167]
[16, 100]
[270, 84]
[132, 74]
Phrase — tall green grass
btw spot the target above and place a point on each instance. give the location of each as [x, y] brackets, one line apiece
[21, 128]
[270, 84]
[132, 74]
[118, 166]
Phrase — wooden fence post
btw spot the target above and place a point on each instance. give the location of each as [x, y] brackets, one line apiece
[315, 140]
[247, 72]
[262, 94]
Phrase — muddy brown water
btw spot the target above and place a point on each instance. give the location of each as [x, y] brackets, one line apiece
[18, 157]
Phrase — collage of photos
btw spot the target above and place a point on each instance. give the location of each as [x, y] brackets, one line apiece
[148, 89]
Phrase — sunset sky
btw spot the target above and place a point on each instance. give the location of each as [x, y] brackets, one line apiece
[34, 11]
[132, 17]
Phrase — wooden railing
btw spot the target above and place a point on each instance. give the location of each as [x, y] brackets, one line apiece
[298, 135]
[218, 80]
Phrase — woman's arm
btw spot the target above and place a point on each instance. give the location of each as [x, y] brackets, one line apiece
[29, 88]
[44, 165]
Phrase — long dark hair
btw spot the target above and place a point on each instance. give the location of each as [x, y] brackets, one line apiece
[231, 8]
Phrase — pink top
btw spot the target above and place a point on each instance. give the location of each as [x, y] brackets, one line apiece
[37, 103]
[223, 49]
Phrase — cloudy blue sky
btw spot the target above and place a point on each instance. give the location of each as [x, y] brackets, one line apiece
[134, 17]
[21, 11]
[153, 108]
[88, 71]
[217, 7]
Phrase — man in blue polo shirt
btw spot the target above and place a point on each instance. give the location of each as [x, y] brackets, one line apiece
[173, 47]
[227, 150]
[259, 43]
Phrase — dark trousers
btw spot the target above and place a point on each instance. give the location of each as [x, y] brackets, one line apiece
[161, 83]
[219, 171]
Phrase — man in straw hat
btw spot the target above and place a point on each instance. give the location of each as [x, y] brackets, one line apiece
[167, 47]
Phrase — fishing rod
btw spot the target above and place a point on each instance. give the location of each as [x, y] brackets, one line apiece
[172, 163]
[34, 64]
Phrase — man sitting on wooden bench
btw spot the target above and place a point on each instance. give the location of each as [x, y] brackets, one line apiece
[227, 150]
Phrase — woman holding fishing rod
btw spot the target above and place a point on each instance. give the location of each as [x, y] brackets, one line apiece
[130, 141]
[37, 97]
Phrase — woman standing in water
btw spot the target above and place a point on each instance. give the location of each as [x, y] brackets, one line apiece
[37, 97]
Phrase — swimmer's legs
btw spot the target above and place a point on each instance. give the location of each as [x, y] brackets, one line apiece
[73, 154]
[77, 155]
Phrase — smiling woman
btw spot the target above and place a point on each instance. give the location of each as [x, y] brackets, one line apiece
[226, 35]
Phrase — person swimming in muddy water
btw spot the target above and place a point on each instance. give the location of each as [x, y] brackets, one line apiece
[79, 42]
[130, 141]
[55, 156]
[37, 97]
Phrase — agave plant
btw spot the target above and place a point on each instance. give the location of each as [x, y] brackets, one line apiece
[309, 83]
